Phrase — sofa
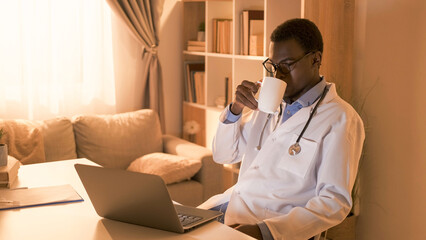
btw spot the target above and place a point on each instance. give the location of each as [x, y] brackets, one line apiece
[113, 141]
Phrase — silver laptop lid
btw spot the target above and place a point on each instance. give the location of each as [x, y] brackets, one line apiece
[130, 197]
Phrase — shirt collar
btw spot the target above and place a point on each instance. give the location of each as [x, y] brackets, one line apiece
[313, 94]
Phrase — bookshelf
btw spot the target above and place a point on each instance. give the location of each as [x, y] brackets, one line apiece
[234, 65]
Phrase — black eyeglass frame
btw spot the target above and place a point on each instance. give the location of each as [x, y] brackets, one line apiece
[288, 66]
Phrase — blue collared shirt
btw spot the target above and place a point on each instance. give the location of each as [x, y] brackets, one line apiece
[305, 100]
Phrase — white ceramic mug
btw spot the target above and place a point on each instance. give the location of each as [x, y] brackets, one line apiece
[271, 94]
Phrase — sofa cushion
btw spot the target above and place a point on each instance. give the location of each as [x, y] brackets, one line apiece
[189, 193]
[171, 168]
[116, 140]
[58, 137]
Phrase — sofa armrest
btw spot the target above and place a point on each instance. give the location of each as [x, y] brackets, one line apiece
[210, 174]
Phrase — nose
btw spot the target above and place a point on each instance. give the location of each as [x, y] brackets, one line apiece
[278, 74]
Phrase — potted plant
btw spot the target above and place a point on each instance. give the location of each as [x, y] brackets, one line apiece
[3, 150]
[201, 32]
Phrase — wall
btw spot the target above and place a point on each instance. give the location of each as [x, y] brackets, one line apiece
[390, 60]
[335, 20]
[128, 65]
[170, 55]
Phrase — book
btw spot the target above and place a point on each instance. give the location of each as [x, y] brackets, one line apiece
[228, 91]
[31, 197]
[189, 85]
[222, 35]
[196, 48]
[199, 86]
[256, 45]
[256, 38]
[197, 43]
[214, 24]
[248, 17]
[9, 172]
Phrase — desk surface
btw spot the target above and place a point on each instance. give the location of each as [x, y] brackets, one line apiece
[79, 220]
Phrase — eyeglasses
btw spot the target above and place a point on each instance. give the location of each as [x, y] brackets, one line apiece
[285, 68]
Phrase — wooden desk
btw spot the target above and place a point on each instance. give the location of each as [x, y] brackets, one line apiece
[79, 220]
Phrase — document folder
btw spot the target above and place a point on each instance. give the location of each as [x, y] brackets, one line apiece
[32, 197]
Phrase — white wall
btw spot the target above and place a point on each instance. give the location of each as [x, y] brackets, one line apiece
[127, 67]
[170, 55]
[391, 62]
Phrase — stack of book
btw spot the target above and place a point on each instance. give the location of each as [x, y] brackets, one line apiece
[252, 22]
[196, 46]
[222, 35]
[9, 172]
[194, 82]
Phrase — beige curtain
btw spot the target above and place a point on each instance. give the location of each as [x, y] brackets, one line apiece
[142, 17]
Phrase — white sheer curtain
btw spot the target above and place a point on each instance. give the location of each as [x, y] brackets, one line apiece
[55, 58]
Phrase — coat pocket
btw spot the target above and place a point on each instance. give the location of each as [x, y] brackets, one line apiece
[299, 164]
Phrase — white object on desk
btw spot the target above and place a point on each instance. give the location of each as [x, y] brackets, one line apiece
[33, 197]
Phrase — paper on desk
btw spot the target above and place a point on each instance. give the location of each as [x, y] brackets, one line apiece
[31, 197]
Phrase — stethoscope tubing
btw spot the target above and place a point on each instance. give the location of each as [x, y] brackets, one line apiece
[314, 110]
[312, 114]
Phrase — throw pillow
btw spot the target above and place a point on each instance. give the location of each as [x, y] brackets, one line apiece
[24, 140]
[171, 168]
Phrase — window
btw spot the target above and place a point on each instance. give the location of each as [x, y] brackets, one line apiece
[55, 58]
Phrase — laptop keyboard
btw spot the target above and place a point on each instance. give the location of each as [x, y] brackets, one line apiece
[186, 219]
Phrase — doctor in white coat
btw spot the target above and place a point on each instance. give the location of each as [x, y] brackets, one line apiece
[283, 193]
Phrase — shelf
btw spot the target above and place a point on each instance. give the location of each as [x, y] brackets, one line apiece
[223, 55]
[248, 57]
[209, 54]
[194, 53]
[216, 109]
[201, 106]
[231, 168]
[195, 105]
[206, 0]
[220, 66]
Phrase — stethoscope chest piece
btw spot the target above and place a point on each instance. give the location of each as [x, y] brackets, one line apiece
[294, 149]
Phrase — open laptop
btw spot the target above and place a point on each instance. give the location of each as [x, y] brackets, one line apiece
[138, 198]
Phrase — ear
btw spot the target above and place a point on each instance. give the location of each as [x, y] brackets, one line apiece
[317, 58]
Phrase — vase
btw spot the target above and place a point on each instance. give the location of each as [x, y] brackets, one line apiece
[201, 36]
[3, 154]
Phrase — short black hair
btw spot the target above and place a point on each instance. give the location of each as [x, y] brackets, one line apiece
[305, 32]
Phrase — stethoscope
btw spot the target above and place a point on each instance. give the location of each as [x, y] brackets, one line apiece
[295, 148]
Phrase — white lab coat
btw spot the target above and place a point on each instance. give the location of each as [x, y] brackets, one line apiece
[296, 196]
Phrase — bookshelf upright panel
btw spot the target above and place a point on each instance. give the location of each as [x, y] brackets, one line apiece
[277, 12]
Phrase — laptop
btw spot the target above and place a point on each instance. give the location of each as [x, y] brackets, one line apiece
[138, 198]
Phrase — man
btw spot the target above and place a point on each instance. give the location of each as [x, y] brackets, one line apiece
[284, 193]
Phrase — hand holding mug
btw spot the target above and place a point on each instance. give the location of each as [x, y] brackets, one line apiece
[244, 97]
[271, 95]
